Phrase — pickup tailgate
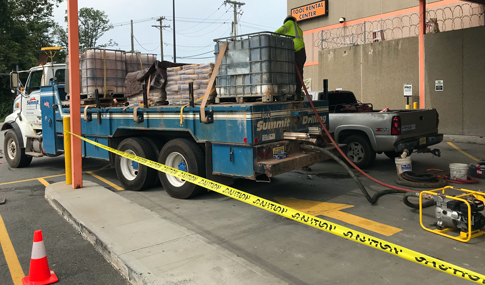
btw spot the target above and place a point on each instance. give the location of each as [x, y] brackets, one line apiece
[418, 122]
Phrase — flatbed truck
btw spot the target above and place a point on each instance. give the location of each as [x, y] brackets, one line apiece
[239, 141]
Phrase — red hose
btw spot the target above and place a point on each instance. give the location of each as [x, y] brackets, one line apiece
[469, 180]
[335, 144]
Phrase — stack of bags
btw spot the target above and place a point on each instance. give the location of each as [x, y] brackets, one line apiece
[178, 79]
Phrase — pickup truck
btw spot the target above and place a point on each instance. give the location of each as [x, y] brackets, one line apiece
[367, 132]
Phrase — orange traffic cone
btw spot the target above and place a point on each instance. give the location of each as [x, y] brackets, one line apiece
[39, 273]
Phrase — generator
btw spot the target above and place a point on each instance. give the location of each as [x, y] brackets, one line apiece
[458, 215]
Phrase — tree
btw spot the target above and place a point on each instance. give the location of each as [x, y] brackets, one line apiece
[25, 27]
[92, 26]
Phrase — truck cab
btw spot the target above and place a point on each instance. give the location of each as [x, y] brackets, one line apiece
[23, 138]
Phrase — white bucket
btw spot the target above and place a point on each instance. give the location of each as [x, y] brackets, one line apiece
[458, 171]
[403, 164]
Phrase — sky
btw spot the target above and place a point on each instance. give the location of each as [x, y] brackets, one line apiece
[197, 24]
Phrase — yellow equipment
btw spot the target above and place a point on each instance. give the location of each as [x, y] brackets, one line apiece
[456, 212]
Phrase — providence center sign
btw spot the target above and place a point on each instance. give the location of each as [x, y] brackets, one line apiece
[310, 11]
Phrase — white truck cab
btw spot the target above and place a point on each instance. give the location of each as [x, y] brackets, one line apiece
[23, 138]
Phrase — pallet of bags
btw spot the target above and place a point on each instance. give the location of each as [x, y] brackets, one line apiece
[179, 78]
[155, 96]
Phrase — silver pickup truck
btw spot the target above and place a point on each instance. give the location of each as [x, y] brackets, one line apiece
[367, 132]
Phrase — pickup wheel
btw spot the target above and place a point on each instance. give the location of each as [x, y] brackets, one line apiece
[359, 150]
[132, 175]
[14, 153]
[184, 155]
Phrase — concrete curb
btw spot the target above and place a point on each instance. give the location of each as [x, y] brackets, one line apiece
[146, 248]
[132, 271]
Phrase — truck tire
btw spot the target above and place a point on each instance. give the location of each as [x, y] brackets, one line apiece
[132, 175]
[156, 145]
[359, 150]
[184, 155]
[14, 153]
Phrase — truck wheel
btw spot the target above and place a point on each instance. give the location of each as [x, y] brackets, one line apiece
[14, 153]
[132, 175]
[184, 155]
[359, 150]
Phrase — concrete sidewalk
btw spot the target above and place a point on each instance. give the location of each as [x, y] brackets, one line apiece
[146, 248]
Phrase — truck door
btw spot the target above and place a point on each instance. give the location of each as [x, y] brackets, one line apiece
[49, 128]
[31, 100]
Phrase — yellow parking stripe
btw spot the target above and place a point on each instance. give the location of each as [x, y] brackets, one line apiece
[31, 179]
[465, 153]
[43, 181]
[51, 176]
[106, 181]
[10, 256]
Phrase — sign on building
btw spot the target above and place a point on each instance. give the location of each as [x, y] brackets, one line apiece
[438, 85]
[310, 11]
[408, 90]
[308, 84]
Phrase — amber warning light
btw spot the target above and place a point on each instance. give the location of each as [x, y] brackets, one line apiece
[309, 11]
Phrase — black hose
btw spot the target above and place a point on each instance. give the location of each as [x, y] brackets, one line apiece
[419, 177]
[404, 180]
[410, 204]
[372, 199]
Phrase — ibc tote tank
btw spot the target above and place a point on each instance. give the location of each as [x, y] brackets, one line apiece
[259, 65]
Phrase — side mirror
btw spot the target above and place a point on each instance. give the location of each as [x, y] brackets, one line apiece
[14, 80]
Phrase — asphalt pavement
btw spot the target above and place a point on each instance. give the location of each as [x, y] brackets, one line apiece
[292, 252]
[73, 259]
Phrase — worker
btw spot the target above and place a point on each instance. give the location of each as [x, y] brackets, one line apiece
[291, 28]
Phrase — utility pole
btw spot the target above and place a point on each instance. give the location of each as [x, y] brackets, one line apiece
[174, 44]
[161, 26]
[132, 42]
[234, 23]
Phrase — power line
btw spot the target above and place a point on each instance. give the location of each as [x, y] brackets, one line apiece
[144, 47]
[198, 36]
[263, 26]
[206, 18]
[197, 57]
[207, 26]
[197, 54]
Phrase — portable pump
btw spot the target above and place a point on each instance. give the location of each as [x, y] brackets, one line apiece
[452, 213]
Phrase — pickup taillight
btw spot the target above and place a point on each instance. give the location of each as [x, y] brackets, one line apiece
[437, 120]
[396, 126]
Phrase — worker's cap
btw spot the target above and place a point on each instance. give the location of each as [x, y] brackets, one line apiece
[290, 18]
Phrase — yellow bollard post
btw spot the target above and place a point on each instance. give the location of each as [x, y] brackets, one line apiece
[67, 148]
[415, 105]
[408, 106]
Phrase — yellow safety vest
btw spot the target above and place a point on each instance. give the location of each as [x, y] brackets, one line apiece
[290, 28]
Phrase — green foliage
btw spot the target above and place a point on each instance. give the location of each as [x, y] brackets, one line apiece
[24, 29]
[92, 26]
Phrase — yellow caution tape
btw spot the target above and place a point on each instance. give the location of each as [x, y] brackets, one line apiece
[303, 218]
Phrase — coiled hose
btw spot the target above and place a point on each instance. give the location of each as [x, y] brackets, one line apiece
[373, 199]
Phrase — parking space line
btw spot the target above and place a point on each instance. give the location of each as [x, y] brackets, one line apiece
[106, 181]
[10, 256]
[43, 181]
[51, 176]
[31, 179]
[465, 153]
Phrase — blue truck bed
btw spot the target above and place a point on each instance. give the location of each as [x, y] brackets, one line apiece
[240, 142]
